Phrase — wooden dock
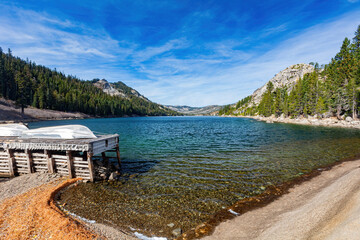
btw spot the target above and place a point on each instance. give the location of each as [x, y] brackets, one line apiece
[68, 157]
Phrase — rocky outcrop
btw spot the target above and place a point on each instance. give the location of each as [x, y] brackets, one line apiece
[285, 78]
[118, 89]
[108, 88]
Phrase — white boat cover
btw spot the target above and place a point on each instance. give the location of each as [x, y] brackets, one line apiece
[59, 132]
[14, 130]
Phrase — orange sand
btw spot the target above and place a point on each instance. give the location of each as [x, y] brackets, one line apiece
[33, 215]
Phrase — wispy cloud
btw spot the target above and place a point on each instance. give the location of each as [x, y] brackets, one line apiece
[149, 52]
[39, 37]
[219, 84]
[180, 69]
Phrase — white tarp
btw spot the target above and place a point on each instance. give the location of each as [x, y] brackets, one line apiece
[59, 132]
[13, 130]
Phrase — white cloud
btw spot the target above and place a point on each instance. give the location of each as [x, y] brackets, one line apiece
[222, 85]
[31, 34]
[149, 52]
[219, 74]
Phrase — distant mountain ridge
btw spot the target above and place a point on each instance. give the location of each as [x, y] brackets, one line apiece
[120, 89]
[187, 110]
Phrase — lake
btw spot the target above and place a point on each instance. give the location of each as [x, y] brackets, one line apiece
[181, 170]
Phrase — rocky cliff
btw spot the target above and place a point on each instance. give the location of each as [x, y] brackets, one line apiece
[117, 89]
[285, 78]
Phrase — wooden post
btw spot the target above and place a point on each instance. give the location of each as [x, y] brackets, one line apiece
[29, 161]
[70, 164]
[91, 166]
[105, 160]
[50, 161]
[118, 155]
[12, 166]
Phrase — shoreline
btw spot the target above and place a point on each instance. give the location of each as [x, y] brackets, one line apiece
[309, 121]
[271, 194]
[34, 195]
[10, 113]
[326, 206]
[227, 220]
[249, 205]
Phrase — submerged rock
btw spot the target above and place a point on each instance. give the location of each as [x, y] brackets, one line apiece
[113, 176]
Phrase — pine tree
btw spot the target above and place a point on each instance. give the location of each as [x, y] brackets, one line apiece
[277, 107]
[353, 96]
[266, 104]
[320, 106]
[356, 43]
[22, 90]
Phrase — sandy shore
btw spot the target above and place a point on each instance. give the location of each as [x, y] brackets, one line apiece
[20, 193]
[326, 207]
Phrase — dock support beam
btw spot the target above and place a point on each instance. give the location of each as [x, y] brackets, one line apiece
[70, 164]
[105, 159]
[50, 161]
[118, 155]
[29, 161]
[91, 166]
[12, 169]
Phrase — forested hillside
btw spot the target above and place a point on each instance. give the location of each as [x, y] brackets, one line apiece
[332, 90]
[33, 85]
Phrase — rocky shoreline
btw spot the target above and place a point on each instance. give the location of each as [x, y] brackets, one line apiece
[348, 122]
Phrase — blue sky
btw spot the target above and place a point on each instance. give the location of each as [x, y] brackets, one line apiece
[180, 52]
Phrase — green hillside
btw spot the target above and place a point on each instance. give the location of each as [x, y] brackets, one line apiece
[34, 85]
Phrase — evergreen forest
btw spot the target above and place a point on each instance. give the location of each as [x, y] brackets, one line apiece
[34, 85]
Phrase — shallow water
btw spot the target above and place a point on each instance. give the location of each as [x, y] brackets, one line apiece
[181, 170]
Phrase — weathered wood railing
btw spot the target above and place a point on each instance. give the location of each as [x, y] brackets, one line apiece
[73, 158]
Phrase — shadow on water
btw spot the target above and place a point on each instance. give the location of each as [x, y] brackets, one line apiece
[133, 167]
[137, 166]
